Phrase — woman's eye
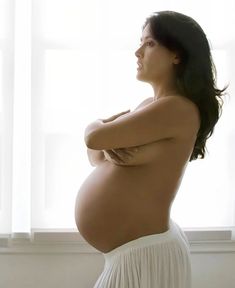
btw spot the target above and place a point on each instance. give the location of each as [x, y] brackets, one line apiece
[150, 43]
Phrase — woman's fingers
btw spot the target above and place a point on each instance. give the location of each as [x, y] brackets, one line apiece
[121, 154]
[120, 151]
[121, 113]
[109, 157]
[135, 148]
[114, 155]
[126, 111]
[130, 150]
[113, 117]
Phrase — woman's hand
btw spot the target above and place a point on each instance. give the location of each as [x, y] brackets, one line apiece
[120, 155]
[115, 116]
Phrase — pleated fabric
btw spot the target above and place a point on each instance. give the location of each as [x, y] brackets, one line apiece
[152, 261]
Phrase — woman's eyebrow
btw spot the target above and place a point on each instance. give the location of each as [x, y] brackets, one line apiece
[145, 37]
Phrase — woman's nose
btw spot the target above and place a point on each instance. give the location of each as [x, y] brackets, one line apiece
[138, 53]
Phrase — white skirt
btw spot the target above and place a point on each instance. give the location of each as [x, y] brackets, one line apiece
[153, 261]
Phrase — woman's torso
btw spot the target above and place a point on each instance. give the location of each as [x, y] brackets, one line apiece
[119, 203]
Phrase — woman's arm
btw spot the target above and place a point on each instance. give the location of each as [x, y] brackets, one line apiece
[95, 156]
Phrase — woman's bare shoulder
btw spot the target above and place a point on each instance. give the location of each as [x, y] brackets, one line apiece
[144, 102]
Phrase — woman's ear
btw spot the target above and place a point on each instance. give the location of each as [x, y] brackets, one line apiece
[176, 59]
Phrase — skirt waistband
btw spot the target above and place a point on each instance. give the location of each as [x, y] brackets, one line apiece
[171, 233]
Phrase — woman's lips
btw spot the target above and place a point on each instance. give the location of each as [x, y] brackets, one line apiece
[140, 66]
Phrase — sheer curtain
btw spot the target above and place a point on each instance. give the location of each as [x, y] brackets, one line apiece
[66, 63]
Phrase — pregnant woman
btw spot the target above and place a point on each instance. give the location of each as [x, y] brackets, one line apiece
[123, 207]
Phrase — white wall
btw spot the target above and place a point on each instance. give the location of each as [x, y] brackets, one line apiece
[210, 270]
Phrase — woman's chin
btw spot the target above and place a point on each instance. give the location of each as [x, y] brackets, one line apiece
[140, 76]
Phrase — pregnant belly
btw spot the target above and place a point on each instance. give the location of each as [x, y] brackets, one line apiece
[113, 207]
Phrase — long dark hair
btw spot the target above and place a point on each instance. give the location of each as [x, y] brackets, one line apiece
[196, 74]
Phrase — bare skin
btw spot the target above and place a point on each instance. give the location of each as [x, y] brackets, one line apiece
[121, 202]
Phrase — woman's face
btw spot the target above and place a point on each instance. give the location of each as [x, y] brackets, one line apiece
[155, 60]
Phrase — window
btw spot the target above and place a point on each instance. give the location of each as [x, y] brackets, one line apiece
[71, 62]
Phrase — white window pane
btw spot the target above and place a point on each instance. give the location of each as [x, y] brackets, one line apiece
[67, 19]
[1, 94]
[1, 138]
[71, 85]
[6, 83]
[4, 17]
[221, 60]
[64, 156]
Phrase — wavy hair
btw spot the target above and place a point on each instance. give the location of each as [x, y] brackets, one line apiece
[196, 73]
